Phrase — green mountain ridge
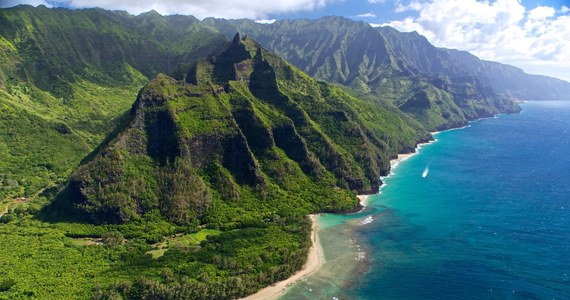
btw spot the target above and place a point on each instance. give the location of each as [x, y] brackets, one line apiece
[242, 143]
[67, 76]
[201, 188]
[339, 38]
[381, 63]
[247, 113]
[78, 70]
[505, 80]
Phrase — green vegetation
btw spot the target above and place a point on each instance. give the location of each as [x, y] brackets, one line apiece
[189, 241]
[41, 143]
[71, 261]
[203, 190]
[200, 189]
[437, 87]
[66, 77]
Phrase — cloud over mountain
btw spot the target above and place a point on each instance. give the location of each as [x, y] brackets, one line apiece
[535, 39]
[212, 8]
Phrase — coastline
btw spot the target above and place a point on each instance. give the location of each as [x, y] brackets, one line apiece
[314, 261]
[404, 156]
[401, 157]
[363, 199]
[315, 257]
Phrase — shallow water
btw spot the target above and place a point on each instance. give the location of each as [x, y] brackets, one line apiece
[490, 220]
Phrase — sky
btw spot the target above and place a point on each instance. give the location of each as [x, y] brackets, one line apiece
[533, 35]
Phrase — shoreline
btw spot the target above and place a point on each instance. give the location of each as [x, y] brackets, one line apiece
[362, 200]
[315, 259]
[404, 156]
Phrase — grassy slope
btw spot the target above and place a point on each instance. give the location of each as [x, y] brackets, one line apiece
[66, 76]
[263, 233]
[53, 121]
[42, 142]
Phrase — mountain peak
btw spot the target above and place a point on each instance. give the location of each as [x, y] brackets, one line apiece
[223, 132]
[149, 14]
[236, 39]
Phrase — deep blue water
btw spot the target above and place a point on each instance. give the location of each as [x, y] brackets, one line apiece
[491, 220]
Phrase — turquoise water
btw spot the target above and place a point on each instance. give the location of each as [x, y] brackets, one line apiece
[491, 220]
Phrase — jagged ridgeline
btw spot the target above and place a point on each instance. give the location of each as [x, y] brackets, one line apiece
[438, 87]
[243, 128]
[66, 76]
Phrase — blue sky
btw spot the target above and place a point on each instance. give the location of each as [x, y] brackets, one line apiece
[383, 11]
[531, 34]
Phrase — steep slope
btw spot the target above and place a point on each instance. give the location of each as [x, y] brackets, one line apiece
[511, 81]
[76, 71]
[330, 48]
[506, 80]
[396, 66]
[56, 47]
[244, 118]
[244, 143]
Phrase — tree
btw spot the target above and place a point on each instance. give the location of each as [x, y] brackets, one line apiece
[112, 238]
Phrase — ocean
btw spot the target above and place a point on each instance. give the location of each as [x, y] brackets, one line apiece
[489, 220]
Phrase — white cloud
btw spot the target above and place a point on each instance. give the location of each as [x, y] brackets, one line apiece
[414, 5]
[537, 40]
[408, 25]
[376, 1]
[541, 12]
[265, 21]
[564, 9]
[10, 3]
[253, 9]
[366, 15]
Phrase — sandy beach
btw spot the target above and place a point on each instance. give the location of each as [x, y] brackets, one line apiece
[362, 199]
[315, 259]
[401, 157]
[314, 262]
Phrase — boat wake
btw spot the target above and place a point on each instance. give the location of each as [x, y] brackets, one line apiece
[426, 171]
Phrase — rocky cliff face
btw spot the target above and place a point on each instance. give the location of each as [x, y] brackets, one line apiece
[244, 122]
[504, 80]
[401, 68]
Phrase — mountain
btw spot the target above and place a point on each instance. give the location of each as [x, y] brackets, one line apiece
[245, 118]
[506, 80]
[441, 88]
[66, 76]
[355, 54]
[240, 142]
[201, 189]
